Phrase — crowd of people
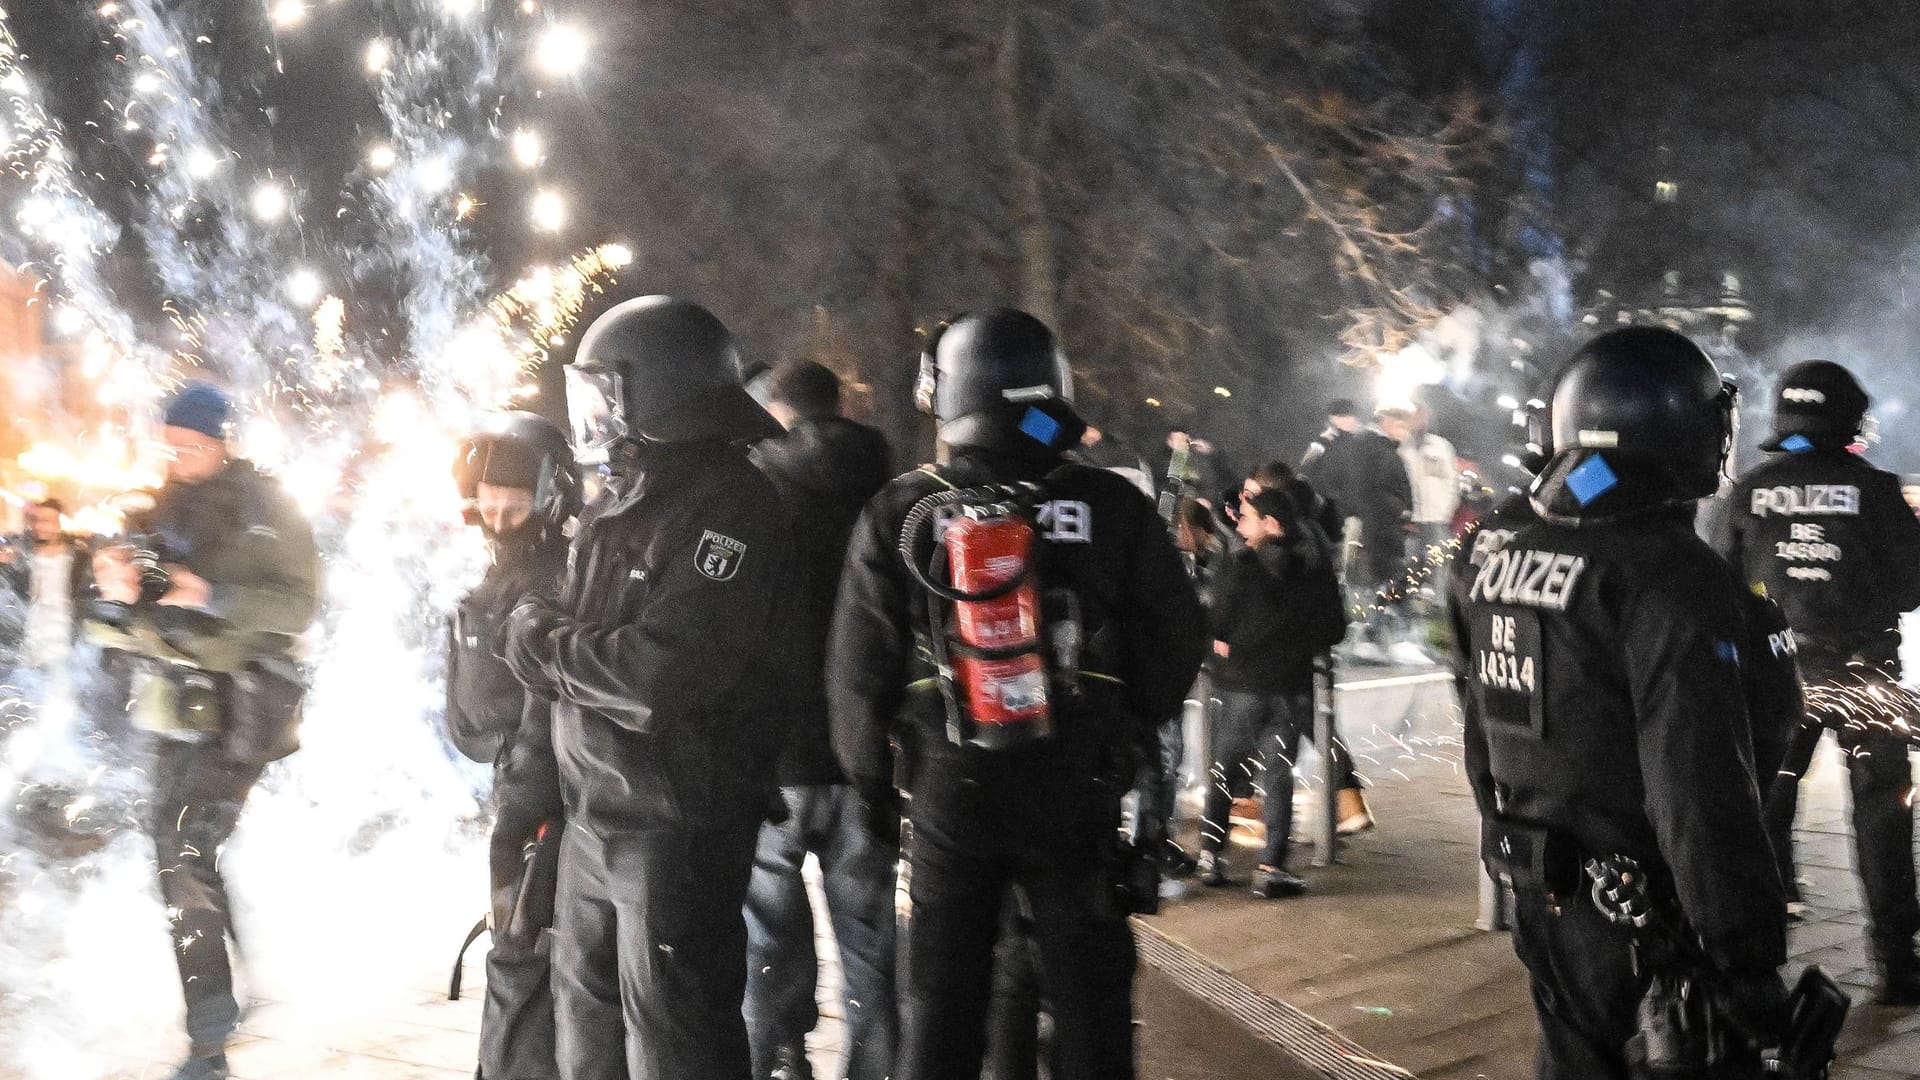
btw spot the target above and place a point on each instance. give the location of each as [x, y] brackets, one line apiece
[721, 632]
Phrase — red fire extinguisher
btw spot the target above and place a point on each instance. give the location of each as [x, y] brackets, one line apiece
[989, 643]
[999, 666]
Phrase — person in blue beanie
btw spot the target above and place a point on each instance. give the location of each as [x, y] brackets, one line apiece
[209, 595]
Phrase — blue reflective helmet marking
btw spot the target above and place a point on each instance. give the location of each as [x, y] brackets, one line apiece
[1591, 479]
[1040, 427]
[1727, 651]
[1795, 444]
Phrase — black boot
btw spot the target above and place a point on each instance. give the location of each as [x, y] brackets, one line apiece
[209, 1067]
[1175, 861]
[1277, 884]
[1896, 979]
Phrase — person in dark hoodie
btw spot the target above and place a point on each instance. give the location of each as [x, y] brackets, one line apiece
[1276, 606]
[1313, 508]
[825, 468]
[1359, 470]
[1319, 525]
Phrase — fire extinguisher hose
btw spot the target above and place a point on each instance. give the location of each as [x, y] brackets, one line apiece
[916, 528]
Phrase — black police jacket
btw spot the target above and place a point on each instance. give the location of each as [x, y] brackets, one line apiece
[1144, 628]
[1828, 537]
[485, 701]
[1598, 651]
[666, 665]
[825, 471]
[1776, 700]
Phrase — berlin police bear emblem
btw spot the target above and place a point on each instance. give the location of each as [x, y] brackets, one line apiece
[718, 557]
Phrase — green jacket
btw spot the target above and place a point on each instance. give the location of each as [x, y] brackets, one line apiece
[241, 532]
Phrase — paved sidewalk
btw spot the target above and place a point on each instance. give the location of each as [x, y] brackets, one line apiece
[1384, 951]
[1377, 972]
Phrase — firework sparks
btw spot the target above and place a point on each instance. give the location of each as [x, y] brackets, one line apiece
[548, 211]
[359, 429]
[1866, 706]
[562, 51]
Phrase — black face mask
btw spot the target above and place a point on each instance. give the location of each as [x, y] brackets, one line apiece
[518, 536]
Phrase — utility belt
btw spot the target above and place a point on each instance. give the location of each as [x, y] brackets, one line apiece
[1093, 738]
[1685, 1029]
[1534, 859]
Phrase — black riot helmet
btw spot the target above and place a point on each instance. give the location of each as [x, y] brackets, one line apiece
[998, 380]
[660, 370]
[1649, 394]
[520, 450]
[1820, 402]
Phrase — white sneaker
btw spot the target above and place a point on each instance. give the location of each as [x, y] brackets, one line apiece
[1409, 654]
[1368, 653]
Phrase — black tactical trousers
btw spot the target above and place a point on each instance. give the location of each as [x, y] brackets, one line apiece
[516, 1021]
[649, 951]
[1585, 992]
[1018, 1024]
[1880, 774]
[1080, 938]
[197, 796]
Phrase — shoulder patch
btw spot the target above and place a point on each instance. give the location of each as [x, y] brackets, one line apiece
[718, 556]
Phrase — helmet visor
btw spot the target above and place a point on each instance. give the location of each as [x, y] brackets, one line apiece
[597, 410]
[1729, 401]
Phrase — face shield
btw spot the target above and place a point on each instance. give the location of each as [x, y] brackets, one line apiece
[1539, 447]
[1869, 432]
[1729, 403]
[596, 407]
[502, 510]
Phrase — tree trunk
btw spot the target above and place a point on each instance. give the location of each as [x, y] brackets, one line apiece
[1033, 226]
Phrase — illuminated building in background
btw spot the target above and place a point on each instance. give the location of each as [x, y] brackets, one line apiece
[20, 333]
[21, 338]
[1714, 313]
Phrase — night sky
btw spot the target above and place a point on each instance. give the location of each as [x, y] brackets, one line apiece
[828, 176]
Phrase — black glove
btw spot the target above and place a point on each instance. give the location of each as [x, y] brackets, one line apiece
[881, 809]
[1755, 1004]
[527, 645]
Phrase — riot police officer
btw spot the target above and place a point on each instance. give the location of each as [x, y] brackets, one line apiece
[1830, 538]
[520, 487]
[659, 656]
[1597, 651]
[1016, 779]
